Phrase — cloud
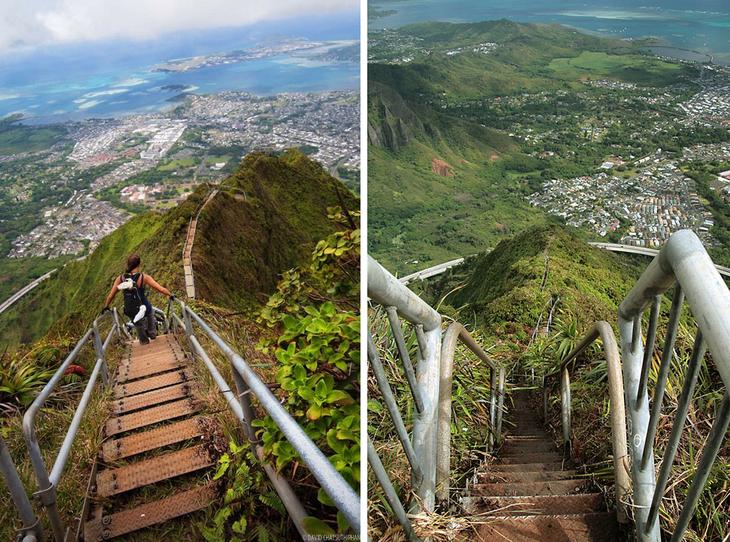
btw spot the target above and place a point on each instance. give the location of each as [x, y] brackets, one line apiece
[31, 23]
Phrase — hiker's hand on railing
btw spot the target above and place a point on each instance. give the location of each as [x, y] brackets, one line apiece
[105, 310]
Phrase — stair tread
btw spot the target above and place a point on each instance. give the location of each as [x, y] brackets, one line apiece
[149, 471]
[534, 505]
[148, 514]
[536, 457]
[527, 467]
[119, 448]
[594, 527]
[548, 487]
[526, 476]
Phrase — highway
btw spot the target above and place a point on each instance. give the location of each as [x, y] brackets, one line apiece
[431, 271]
[613, 247]
[5, 305]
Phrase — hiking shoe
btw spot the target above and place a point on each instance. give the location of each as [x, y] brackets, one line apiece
[153, 337]
[144, 341]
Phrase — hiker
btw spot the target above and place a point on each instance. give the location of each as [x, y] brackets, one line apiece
[136, 305]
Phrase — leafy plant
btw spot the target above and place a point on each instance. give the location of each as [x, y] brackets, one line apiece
[315, 311]
[241, 499]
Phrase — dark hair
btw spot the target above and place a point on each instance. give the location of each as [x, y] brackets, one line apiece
[132, 262]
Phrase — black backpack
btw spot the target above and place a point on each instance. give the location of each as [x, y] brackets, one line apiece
[133, 296]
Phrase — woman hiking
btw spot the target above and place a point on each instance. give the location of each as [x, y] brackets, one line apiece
[136, 305]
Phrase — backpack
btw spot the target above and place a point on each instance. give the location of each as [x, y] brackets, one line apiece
[133, 299]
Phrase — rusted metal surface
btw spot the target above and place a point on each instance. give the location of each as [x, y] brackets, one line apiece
[130, 373]
[527, 467]
[128, 389]
[150, 398]
[550, 487]
[522, 476]
[541, 457]
[149, 514]
[114, 449]
[157, 414]
[582, 503]
[597, 527]
[141, 473]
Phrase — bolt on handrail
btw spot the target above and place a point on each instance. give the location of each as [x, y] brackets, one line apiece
[683, 262]
[457, 332]
[421, 449]
[248, 383]
[48, 481]
[603, 331]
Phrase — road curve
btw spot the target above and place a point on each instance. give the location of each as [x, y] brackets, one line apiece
[9, 302]
[431, 271]
[614, 247]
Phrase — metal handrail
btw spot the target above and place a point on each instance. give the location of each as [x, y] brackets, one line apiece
[48, 481]
[421, 448]
[603, 331]
[456, 332]
[248, 383]
[31, 530]
[682, 261]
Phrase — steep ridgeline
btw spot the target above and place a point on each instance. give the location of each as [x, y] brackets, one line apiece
[265, 219]
[510, 287]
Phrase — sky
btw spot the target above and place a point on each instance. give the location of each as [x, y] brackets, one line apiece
[30, 24]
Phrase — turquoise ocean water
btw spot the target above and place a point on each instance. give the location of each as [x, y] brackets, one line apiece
[115, 78]
[696, 25]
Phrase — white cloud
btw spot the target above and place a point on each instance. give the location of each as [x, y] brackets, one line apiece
[29, 23]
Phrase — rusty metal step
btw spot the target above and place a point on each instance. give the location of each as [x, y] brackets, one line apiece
[597, 527]
[125, 374]
[157, 414]
[165, 356]
[550, 487]
[535, 505]
[119, 448]
[149, 471]
[540, 457]
[151, 398]
[129, 389]
[537, 446]
[146, 515]
[527, 467]
[152, 354]
[522, 476]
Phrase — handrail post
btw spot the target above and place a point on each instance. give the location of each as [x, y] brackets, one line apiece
[31, 525]
[243, 392]
[565, 407]
[100, 357]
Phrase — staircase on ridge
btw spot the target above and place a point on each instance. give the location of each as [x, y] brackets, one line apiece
[530, 492]
[154, 437]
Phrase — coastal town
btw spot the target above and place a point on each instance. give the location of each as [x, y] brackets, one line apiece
[119, 166]
[646, 208]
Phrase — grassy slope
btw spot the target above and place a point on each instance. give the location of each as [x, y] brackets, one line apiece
[255, 229]
[415, 214]
[241, 247]
[505, 287]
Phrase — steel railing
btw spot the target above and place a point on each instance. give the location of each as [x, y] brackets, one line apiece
[248, 383]
[427, 449]
[31, 530]
[421, 450]
[48, 481]
[684, 264]
[454, 334]
[603, 331]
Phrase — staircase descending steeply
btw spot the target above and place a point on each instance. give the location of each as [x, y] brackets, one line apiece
[153, 436]
[532, 493]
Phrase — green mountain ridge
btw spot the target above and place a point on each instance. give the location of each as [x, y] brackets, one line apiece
[423, 112]
[266, 219]
[515, 283]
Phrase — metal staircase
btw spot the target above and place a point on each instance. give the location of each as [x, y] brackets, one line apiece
[529, 491]
[157, 434]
